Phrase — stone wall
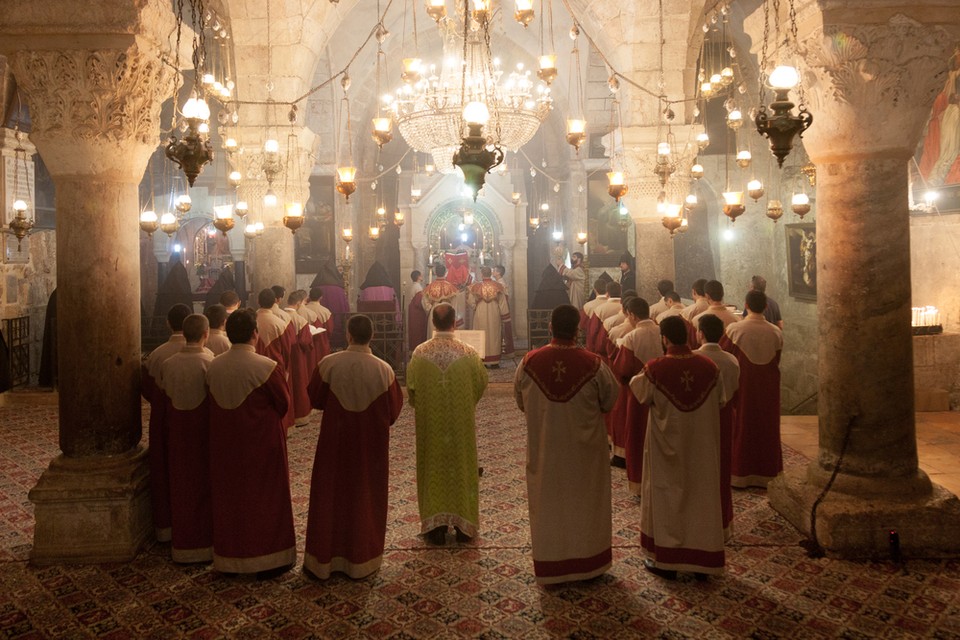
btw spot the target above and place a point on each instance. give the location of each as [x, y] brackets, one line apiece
[26, 287]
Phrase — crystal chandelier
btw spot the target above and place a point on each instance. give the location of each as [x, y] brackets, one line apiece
[429, 112]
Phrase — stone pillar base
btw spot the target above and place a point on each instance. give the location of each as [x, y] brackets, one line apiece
[92, 509]
[858, 526]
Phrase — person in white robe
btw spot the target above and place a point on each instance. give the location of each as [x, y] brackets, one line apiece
[681, 524]
[563, 391]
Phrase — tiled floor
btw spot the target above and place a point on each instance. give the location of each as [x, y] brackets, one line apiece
[938, 443]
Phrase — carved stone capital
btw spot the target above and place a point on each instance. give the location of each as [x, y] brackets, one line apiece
[871, 87]
[94, 112]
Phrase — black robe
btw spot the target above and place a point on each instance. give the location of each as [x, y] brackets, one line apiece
[175, 289]
[225, 282]
[48, 363]
[551, 293]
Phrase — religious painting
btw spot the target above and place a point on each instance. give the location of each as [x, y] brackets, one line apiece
[802, 260]
[608, 240]
[938, 155]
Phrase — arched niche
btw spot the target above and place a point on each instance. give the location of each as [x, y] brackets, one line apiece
[448, 228]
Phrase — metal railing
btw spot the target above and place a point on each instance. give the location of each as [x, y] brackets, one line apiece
[16, 331]
[389, 338]
[538, 329]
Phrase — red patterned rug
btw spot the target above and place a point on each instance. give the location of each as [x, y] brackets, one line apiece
[485, 589]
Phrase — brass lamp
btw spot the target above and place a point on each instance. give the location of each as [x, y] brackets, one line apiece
[755, 189]
[411, 70]
[398, 217]
[473, 157]
[800, 204]
[223, 220]
[242, 209]
[346, 181]
[20, 225]
[169, 224]
[616, 186]
[524, 13]
[547, 70]
[671, 216]
[193, 151]
[382, 131]
[149, 222]
[436, 9]
[781, 127]
[576, 132]
[293, 219]
[733, 205]
[774, 210]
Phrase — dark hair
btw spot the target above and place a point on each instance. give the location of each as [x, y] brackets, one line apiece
[638, 307]
[241, 325]
[756, 301]
[216, 315]
[600, 286]
[229, 298]
[439, 270]
[711, 327]
[485, 272]
[278, 291]
[714, 290]
[316, 293]
[613, 289]
[698, 285]
[674, 330]
[360, 329]
[629, 293]
[500, 268]
[415, 274]
[266, 299]
[444, 317]
[296, 297]
[194, 326]
[577, 254]
[176, 315]
[759, 283]
[564, 322]
[665, 287]
[673, 296]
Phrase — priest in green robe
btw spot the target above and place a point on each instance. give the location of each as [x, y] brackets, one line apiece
[445, 381]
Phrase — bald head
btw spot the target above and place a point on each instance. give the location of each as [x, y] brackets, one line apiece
[444, 317]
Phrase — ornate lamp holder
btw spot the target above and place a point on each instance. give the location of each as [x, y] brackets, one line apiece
[782, 125]
[294, 217]
[733, 206]
[149, 222]
[224, 221]
[774, 210]
[473, 157]
[194, 150]
[346, 181]
[616, 186]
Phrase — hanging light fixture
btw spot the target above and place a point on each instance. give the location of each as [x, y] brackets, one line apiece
[774, 209]
[223, 218]
[347, 174]
[782, 125]
[671, 216]
[294, 217]
[149, 222]
[696, 171]
[382, 131]
[436, 9]
[169, 224]
[800, 204]
[250, 231]
[755, 189]
[524, 13]
[242, 209]
[399, 217]
[373, 232]
[577, 124]
[473, 157]
[429, 113]
[21, 224]
[733, 205]
[616, 187]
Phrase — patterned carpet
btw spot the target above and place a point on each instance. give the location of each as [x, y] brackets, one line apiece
[484, 589]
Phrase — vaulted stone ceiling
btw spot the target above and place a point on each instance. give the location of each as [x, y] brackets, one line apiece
[311, 40]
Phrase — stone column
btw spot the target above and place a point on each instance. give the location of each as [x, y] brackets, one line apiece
[654, 245]
[95, 119]
[871, 89]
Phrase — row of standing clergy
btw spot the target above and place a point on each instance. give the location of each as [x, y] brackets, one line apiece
[623, 332]
[246, 387]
